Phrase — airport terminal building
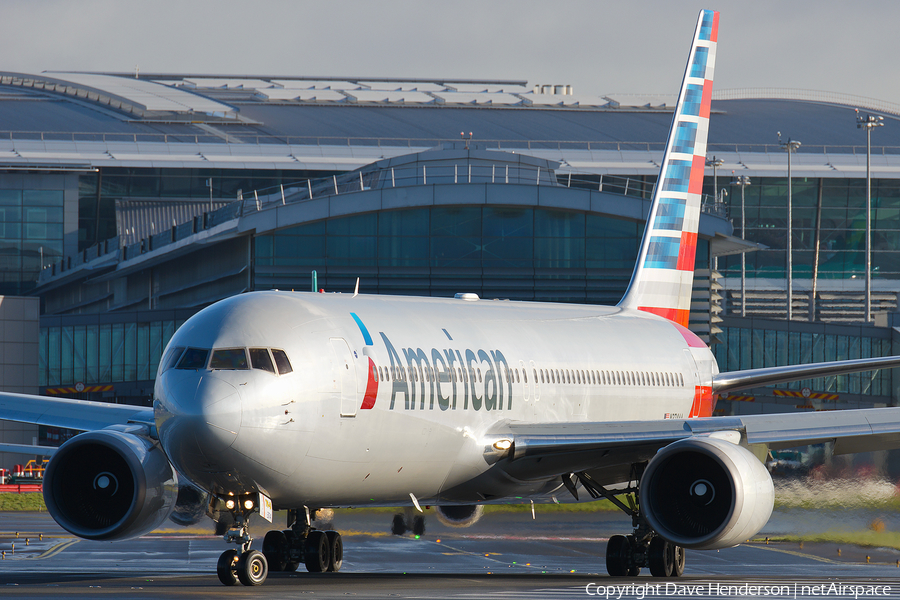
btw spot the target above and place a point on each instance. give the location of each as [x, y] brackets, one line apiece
[129, 203]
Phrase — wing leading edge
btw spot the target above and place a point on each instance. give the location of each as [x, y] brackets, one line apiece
[70, 414]
[741, 380]
[546, 450]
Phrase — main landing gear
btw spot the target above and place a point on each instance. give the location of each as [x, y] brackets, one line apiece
[408, 521]
[626, 555]
[320, 551]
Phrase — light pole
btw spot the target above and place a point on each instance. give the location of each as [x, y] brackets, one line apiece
[790, 146]
[743, 181]
[715, 163]
[869, 121]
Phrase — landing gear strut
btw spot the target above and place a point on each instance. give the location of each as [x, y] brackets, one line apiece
[320, 551]
[247, 566]
[282, 551]
[626, 555]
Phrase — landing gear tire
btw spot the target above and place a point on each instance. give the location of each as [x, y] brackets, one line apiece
[618, 555]
[418, 527]
[398, 525]
[661, 557]
[291, 564]
[276, 550]
[318, 555]
[336, 551]
[634, 569]
[225, 568]
[252, 568]
[678, 565]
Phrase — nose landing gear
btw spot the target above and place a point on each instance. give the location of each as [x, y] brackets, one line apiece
[247, 566]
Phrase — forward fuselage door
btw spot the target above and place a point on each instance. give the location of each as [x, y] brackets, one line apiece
[343, 374]
[527, 383]
[537, 388]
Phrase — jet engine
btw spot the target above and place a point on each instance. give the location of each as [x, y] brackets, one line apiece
[110, 485]
[191, 505]
[706, 493]
[459, 516]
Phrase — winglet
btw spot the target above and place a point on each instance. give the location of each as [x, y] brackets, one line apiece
[664, 273]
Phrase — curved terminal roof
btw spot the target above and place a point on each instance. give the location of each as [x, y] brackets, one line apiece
[59, 120]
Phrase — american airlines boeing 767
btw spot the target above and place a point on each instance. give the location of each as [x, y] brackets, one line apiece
[302, 401]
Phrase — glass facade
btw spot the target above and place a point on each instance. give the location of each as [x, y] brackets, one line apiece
[456, 237]
[97, 352]
[753, 347]
[97, 214]
[842, 226]
[31, 235]
[510, 252]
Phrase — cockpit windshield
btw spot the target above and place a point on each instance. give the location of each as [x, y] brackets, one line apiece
[272, 360]
[193, 358]
[229, 358]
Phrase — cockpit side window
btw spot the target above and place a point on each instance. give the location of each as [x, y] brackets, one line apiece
[229, 359]
[172, 358]
[193, 358]
[260, 359]
[281, 361]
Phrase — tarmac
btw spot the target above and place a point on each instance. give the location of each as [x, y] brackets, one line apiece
[501, 556]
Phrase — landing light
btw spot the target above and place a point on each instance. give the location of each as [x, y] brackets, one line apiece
[504, 444]
[248, 504]
[229, 504]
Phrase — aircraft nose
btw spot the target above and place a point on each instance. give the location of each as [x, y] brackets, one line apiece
[197, 413]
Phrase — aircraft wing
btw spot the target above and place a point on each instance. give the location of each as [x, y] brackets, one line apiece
[28, 449]
[741, 380]
[543, 450]
[70, 414]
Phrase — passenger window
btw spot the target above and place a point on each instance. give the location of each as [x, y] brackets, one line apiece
[229, 359]
[172, 358]
[282, 362]
[193, 358]
[260, 359]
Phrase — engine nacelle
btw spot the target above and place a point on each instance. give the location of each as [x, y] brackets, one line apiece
[110, 485]
[459, 516]
[191, 505]
[706, 493]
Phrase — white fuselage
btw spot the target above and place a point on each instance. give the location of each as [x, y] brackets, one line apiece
[390, 396]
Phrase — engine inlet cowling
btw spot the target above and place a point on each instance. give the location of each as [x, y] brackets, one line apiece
[459, 516]
[706, 493]
[110, 485]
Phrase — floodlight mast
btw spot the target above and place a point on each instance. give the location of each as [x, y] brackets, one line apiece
[868, 122]
[790, 146]
[742, 181]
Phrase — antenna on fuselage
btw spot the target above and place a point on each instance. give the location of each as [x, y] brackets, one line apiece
[356, 290]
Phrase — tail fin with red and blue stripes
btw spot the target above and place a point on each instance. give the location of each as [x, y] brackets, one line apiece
[663, 276]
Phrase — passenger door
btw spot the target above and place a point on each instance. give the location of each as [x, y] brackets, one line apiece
[343, 371]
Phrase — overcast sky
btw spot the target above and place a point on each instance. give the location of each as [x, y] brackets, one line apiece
[599, 47]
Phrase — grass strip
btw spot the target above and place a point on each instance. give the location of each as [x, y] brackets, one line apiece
[868, 539]
[32, 501]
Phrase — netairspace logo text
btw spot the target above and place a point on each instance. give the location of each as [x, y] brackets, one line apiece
[641, 591]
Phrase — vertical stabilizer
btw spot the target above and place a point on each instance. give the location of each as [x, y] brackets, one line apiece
[664, 272]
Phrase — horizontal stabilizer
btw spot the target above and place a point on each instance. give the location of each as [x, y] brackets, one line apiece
[741, 380]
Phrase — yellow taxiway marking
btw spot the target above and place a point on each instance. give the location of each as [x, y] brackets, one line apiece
[55, 549]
